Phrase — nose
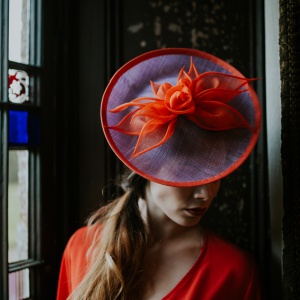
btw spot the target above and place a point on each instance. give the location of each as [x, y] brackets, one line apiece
[201, 192]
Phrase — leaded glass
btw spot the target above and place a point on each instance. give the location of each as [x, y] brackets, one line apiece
[19, 285]
[19, 17]
[18, 86]
[18, 205]
[18, 127]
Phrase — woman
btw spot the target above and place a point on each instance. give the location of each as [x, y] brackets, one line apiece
[195, 128]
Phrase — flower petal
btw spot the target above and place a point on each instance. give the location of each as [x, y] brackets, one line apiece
[193, 73]
[220, 95]
[183, 78]
[162, 132]
[209, 80]
[156, 110]
[159, 90]
[179, 100]
[214, 115]
[141, 102]
[128, 126]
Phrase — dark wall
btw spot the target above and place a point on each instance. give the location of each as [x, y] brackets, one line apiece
[92, 81]
[290, 96]
[59, 138]
[219, 27]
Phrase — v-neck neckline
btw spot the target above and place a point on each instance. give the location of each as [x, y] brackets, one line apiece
[191, 270]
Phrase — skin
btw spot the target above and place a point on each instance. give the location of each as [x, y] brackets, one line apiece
[173, 216]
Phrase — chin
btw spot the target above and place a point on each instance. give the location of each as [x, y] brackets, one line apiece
[189, 223]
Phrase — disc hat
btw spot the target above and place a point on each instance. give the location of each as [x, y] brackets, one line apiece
[180, 117]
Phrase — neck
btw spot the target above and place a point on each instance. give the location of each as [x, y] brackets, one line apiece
[161, 228]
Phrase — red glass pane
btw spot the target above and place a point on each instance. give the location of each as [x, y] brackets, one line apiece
[18, 86]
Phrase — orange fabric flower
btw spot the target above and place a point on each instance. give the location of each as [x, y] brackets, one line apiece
[202, 98]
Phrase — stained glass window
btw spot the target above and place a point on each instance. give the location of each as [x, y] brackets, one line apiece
[18, 205]
[19, 25]
[24, 128]
[18, 127]
[18, 86]
[19, 285]
[19, 147]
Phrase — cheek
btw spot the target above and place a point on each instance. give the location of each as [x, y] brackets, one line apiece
[164, 193]
[213, 191]
[215, 188]
[169, 200]
[160, 195]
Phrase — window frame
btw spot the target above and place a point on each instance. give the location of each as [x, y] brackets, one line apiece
[34, 70]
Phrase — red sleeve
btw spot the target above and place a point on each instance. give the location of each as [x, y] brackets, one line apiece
[64, 288]
[73, 263]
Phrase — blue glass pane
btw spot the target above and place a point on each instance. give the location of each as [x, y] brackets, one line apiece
[18, 127]
[24, 128]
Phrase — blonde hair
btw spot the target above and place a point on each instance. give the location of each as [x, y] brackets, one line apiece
[118, 248]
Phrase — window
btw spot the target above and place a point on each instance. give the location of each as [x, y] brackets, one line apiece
[20, 146]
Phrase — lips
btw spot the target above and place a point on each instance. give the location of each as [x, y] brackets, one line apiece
[197, 211]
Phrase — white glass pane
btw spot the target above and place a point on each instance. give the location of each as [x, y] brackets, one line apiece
[19, 285]
[19, 30]
[18, 205]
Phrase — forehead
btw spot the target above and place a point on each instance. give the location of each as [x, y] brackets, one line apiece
[170, 187]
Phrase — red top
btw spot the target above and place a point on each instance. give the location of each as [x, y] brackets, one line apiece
[221, 272]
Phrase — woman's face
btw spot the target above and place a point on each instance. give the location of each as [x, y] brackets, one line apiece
[183, 205]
